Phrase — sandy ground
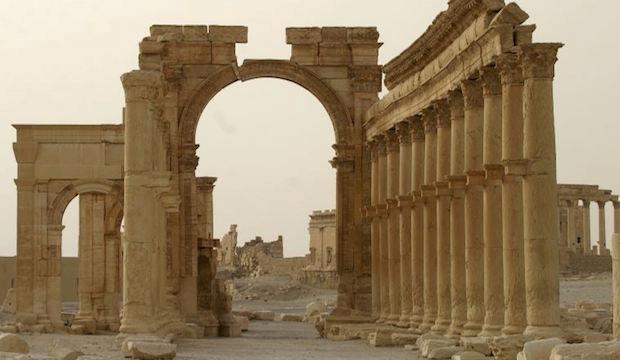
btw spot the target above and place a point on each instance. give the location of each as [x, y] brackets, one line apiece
[289, 340]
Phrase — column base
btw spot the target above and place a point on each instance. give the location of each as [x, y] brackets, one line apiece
[441, 327]
[426, 326]
[543, 332]
[509, 330]
[455, 330]
[471, 329]
[392, 319]
[489, 331]
[405, 321]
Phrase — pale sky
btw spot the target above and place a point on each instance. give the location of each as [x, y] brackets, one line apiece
[269, 141]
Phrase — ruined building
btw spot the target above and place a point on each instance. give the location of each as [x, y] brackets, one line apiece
[321, 268]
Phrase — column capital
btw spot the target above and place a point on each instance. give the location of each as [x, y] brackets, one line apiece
[472, 94]
[616, 205]
[516, 167]
[457, 181]
[456, 103]
[475, 178]
[403, 130]
[510, 68]
[380, 145]
[443, 113]
[491, 81]
[429, 115]
[601, 204]
[586, 203]
[405, 201]
[142, 85]
[538, 60]
[442, 188]
[429, 191]
[391, 204]
[371, 148]
[392, 143]
[417, 129]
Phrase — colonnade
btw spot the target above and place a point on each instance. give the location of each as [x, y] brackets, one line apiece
[464, 206]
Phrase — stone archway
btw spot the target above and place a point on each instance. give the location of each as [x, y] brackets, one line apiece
[181, 69]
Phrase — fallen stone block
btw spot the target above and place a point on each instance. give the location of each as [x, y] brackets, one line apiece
[8, 329]
[539, 349]
[506, 347]
[468, 355]
[247, 313]
[477, 344]
[596, 338]
[401, 339]
[264, 315]
[444, 353]
[148, 347]
[431, 344]
[380, 338]
[585, 352]
[412, 347]
[63, 350]
[12, 343]
[292, 317]
[428, 336]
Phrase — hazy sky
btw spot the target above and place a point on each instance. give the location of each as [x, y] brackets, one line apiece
[269, 141]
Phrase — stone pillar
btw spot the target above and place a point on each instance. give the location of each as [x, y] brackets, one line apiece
[540, 195]
[492, 199]
[474, 271]
[375, 231]
[383, 230]
[602, 237]
[430, 220]
[404, 204]
[139, 279]
[25, 263]
[616, 217]
[571, 228]
[616, 284]
[512, 195]
[587, 241]
[393, 179]
[457, 181]
[54, 281]
[444, 308]
[417, 222]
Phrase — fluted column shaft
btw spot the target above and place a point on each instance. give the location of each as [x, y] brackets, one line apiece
[512, 195]
[458, 182]
[540, 195]
[417, 222]
[404, 204]
[393, 148]
[602, 237]
[474, 265]
[430, 220]
[384, 295]
[375, 231]
[443, 218]
[492, 198]
[587, 241]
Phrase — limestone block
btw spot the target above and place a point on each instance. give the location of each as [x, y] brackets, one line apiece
[305, 35]
[428, 336]
[364, 54]
[199, 71]
[12, 343]
[149, 61]
[157, 30]
[429, 345]
[228, 34]
[148, 348]
[223, 53]
[230, 329]
[9, 328]
[245, 313]
[362, 35]
[596, 338]
[511, 14]
[445, 352]
[305, 54]
[151, 47]
[478, 344]
[190, 53]
[63, 351]
[539, 349]
[244, 322]
[12, 356]
[334, 54]
[401, 339]
[468, 355]
[291, 317]
[380, 338]
[8, 306]
[506, 347]
[585, 351]
[195, 32]
[333, 35]
[264, 315]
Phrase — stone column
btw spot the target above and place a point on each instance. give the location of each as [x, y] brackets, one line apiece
[587, 241]
[457, 181]
[540, 195]
[375, 231]
[512, 195]
[474, 270]
[393, 161]
[444, 308]
[615, 243]
[139, 280]
[383, 229]
[430, 220]
[602, 237]
[404, 204]
[492, 199]
[616, 217]
[571, 225]
[25, 259]
[417, 222]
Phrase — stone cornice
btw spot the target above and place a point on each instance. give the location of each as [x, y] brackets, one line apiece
[446, 28]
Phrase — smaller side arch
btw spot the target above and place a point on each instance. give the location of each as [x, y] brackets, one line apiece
[58, 206]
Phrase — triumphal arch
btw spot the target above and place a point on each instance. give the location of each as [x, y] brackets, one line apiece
[447, 198]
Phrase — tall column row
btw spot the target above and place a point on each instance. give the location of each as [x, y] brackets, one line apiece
[464, 207]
